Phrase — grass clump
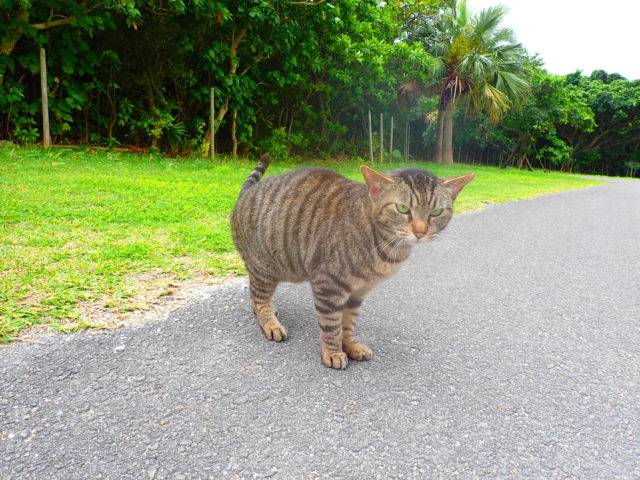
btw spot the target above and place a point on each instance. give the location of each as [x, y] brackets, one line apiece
[82, 228]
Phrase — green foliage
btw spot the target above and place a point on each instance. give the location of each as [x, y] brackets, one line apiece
[281, 144]
[301, 78]
[614, 103]
[588, 124]
[274, 64]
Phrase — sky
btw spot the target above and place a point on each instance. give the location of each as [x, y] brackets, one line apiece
[572, 35]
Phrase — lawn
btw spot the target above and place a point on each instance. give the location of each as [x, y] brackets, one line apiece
[85, 229]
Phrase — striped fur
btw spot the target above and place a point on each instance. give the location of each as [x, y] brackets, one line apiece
[255, 176]
[343, 237]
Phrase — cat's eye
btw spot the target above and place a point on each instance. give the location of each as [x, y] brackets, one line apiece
[402, 208]
[436, 213]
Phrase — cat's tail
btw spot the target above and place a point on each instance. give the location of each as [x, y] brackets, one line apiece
[257, 173]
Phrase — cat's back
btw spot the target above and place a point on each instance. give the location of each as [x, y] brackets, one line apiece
[299, 187]
[306, 178]
[283, 221]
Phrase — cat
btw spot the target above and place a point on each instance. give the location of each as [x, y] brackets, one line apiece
[342, 236]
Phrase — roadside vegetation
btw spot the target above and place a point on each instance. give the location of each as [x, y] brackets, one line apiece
[302, 76]
[84, 231]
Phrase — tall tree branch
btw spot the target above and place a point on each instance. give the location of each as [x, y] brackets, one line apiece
[53, 23]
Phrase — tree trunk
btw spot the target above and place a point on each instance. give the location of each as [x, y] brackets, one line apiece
[114, 114]
[234, 138]
[236, 39]
[447, 136]
[85, 126]
[439, 134]
[519, 148]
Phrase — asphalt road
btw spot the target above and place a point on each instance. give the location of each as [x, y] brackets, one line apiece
[509, 348]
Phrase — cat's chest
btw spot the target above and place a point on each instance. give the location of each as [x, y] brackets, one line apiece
[378, 272]
[387, 269]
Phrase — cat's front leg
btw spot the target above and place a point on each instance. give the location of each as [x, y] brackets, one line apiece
[329, 301]
[354, 349]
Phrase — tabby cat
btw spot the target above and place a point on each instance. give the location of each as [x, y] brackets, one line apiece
[342, 236]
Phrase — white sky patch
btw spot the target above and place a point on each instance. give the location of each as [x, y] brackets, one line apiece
[572, 35]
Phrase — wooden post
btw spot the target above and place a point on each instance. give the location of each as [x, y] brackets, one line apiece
[391, 141]
[44, 90]
[381, 139]
[370, 139]
[407, 133]
[212, 124]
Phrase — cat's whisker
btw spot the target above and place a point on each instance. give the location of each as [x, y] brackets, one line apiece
[396, 247]
[381, 247]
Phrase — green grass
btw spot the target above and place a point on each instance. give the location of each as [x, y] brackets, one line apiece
[80, 228]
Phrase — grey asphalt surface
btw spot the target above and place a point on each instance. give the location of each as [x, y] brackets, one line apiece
[509, 348]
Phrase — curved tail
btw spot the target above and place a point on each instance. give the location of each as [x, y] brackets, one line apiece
[257, 173]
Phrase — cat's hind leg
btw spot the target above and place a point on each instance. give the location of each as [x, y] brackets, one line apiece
[354, 349]
[261, 291]
[329, 299]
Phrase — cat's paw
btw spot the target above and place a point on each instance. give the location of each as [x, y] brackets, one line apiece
[334, 359]
[358, 351]
[274, 330]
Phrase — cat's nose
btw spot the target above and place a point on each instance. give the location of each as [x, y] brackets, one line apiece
[419, 228]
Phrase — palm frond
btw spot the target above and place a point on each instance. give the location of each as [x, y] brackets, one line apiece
[485, 23]
[462, 14]
[476, 66]
[515, 86]
[489, 99]
[439, 67]
[504, 36]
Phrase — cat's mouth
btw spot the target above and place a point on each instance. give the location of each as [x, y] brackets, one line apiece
[413, 240]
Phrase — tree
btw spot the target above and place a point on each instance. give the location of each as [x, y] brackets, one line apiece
[615, 103]
[476, 59]
[552, 104]
[138, 73]
[581, 123]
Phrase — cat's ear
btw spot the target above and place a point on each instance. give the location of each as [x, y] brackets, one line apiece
[455, 184]
[376, 181]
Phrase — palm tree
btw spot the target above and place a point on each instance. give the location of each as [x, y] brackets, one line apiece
[477, 60]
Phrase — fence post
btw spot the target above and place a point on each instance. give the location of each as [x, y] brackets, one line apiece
[407, 137]
[212, 124]
[44, 90]
[391, 141]
[381, 139]
[370, 139]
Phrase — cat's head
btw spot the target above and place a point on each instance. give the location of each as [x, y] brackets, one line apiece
[411, 203]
